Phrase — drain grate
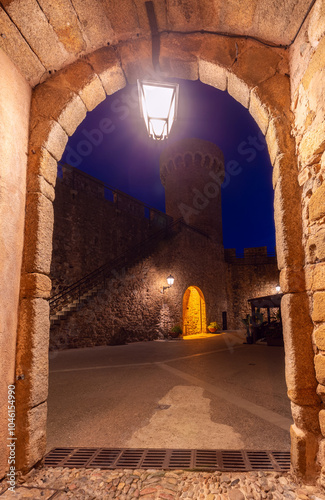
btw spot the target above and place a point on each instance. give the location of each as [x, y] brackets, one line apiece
[120, 458]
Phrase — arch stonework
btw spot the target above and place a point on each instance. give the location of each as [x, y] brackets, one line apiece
[200, 314]
[257, 77]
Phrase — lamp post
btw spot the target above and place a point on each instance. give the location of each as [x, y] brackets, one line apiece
[170, 281]
[158, 105]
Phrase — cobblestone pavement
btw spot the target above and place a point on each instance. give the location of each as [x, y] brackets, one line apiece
[63, 483]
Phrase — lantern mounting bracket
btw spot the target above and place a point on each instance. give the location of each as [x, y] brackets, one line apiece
[155, 35]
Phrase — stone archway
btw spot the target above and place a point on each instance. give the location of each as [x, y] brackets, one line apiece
[194, 311]
[253, 74]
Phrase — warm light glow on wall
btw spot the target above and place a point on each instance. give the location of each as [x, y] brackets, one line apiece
[158, 105]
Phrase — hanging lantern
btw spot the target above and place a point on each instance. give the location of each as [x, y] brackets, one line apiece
[158, 105]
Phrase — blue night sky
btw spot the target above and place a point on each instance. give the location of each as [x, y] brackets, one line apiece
[111, 144]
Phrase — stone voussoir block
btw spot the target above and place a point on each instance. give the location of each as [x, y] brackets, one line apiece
[32, 351]
[292, 280]
[212, 74]
[318, 307]
[299, 354]
[80, 78]
[35, 285]
[319, 336]
[106, 65]
[50, 135]
[38, 234]
[287, 217]
[31, 436]
[238, 89]
[259, 111]
[304, 448]
[279, 140]
[306, 417]
[37, 184]
[41, 162]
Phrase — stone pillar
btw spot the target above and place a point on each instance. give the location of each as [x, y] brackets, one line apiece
[192, 171]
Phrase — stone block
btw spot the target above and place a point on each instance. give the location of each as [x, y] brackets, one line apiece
[321, 392]
[50, 135]
[319, 307]
[322, 421]
[312, 144]
[38, 235]
[14, 45]
[306, 417]
[316, 25]
[256, 64]
[64, 21]
[287, 215]
[136, 60]
[259, 111]
[107, 66]
[39, 34]
[213, 75]
[320, 368]
[304, 448]
[275, 95]
[37, 184]
[41, 162]
[238, 89]
[303, 176]
[292, 280]
[317, 204]
[32, 352]
[35, 285]
[279, 141]
[176, 61]
[80, 78]
[316, 64]
[317, 278]
[299, 354]
[220, 51]
[316, 246]
[31, 437]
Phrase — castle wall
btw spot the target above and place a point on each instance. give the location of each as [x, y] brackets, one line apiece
[253, 275]
[93, 225]
[133, 301]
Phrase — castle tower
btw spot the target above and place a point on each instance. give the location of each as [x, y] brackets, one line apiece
[192, 171]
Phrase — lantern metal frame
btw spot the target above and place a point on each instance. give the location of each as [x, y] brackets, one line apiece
[169, 278]
[148, 119]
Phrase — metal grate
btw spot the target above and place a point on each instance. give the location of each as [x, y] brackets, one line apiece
[120, 458]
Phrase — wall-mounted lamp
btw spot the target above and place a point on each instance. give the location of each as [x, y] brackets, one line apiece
[278, 288]
[158, 105]
[170, 281]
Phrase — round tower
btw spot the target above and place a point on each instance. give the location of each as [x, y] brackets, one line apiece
[192, 171]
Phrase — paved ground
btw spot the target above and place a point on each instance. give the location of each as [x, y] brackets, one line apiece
[207, 393]
[85, 484]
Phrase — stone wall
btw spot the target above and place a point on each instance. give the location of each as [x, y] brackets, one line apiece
[93, 225]
[308, 105]
[133, 300]
[15, 95]
[253, 275]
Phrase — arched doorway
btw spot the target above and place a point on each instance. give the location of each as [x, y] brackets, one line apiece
[194, 311]
[58, 107]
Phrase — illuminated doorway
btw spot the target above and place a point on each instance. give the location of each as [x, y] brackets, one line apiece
[194, 312]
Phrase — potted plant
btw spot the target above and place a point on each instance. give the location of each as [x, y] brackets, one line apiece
[247, 322]
[213, 327]
[175, 332]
